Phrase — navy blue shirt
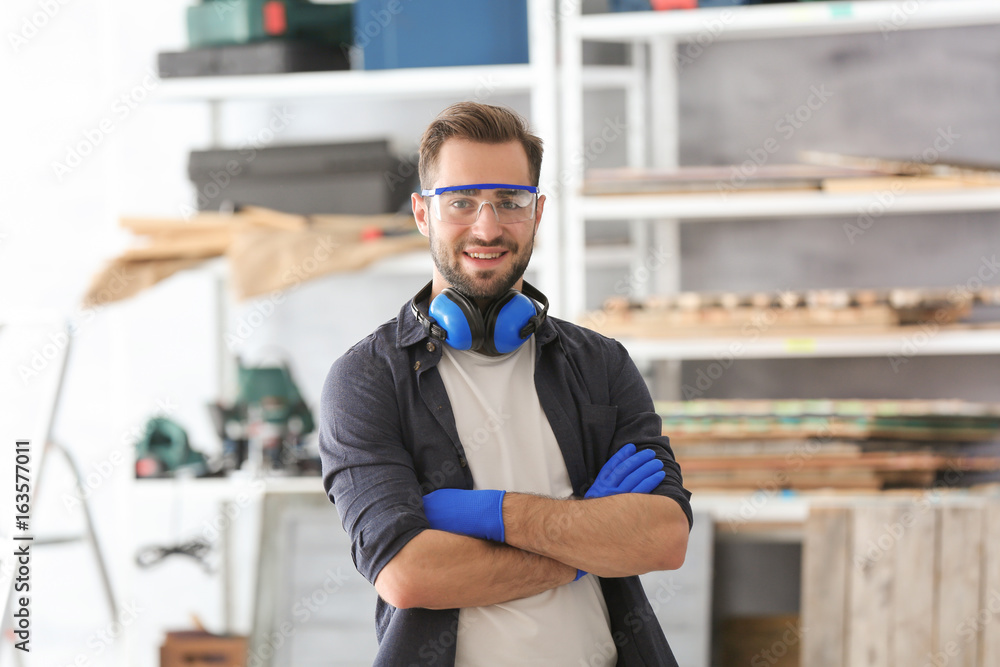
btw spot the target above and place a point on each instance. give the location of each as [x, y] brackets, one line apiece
[387, 437]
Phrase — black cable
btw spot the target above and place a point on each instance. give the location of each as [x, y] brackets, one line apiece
[196, 549]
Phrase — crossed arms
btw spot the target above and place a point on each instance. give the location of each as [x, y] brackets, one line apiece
[618, 530]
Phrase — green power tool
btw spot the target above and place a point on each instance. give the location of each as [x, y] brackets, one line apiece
[226, 22]
[163, 450]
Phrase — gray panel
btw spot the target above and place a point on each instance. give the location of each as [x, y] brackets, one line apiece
[313, 605]
[682, 599]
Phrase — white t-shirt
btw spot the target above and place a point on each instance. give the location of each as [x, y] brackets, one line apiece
[510, 445]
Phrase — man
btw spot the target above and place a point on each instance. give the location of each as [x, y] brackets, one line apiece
[502, 475]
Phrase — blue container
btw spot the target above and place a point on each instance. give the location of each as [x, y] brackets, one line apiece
[440, 33]
[630, 5]
[723, 3]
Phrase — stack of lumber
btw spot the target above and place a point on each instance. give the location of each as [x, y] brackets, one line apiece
[722, 313]
[267, 250]
[822, 172]
[808, 444]
[708, 179]
[902, 582]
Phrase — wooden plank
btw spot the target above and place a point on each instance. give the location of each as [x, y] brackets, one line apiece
[915, 530]
[959, 584]
[873, 560]
[990, 647]
[825, 563]
[870, 461]
[896, 184]
[770, 481]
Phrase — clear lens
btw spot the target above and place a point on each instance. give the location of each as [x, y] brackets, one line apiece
[463, 207]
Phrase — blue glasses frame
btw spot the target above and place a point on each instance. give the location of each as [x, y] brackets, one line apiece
[479, 186]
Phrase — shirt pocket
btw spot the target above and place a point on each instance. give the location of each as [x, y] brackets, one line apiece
[598, 424]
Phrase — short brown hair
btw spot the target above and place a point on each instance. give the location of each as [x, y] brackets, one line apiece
[483, 123]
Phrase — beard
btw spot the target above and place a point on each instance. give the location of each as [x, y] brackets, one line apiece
[487, 284]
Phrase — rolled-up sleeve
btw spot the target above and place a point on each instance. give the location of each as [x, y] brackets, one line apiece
[368, 472]
[639, 423]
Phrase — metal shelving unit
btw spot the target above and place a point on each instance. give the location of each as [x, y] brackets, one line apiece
[654, 38]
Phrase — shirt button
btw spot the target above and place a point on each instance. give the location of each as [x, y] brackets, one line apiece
[463, 462]
[431, 347]
[416, 366]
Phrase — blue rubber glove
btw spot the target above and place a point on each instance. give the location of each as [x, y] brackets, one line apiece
[472, 513]
[627, 471]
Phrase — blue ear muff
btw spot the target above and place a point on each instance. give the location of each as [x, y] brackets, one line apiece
[459, 318]
[455, 319]
[505, 320]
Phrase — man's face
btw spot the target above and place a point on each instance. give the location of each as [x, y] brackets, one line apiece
[485, 259]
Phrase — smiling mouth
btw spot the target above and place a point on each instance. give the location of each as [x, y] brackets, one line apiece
[485, 255]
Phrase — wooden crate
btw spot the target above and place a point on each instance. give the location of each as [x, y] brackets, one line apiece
[774, 641]
[902, 584]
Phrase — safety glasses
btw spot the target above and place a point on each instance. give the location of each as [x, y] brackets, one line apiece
[462, 204]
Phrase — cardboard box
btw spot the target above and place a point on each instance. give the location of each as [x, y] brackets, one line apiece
[194, 648]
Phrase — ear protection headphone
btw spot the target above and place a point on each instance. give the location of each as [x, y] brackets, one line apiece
[455, 319]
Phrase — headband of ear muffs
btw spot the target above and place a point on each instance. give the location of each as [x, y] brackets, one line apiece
[507, 323]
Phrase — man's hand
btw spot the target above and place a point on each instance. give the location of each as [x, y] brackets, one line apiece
[628, 471]
[472, 513]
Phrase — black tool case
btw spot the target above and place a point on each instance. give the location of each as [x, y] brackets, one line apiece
[359, 178]
[277, 56]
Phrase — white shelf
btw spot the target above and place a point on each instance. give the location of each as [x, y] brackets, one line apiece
[223, 488]
[785, 204]
[391, 83]
[785, 20]
[912, 341]
[609, 255]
